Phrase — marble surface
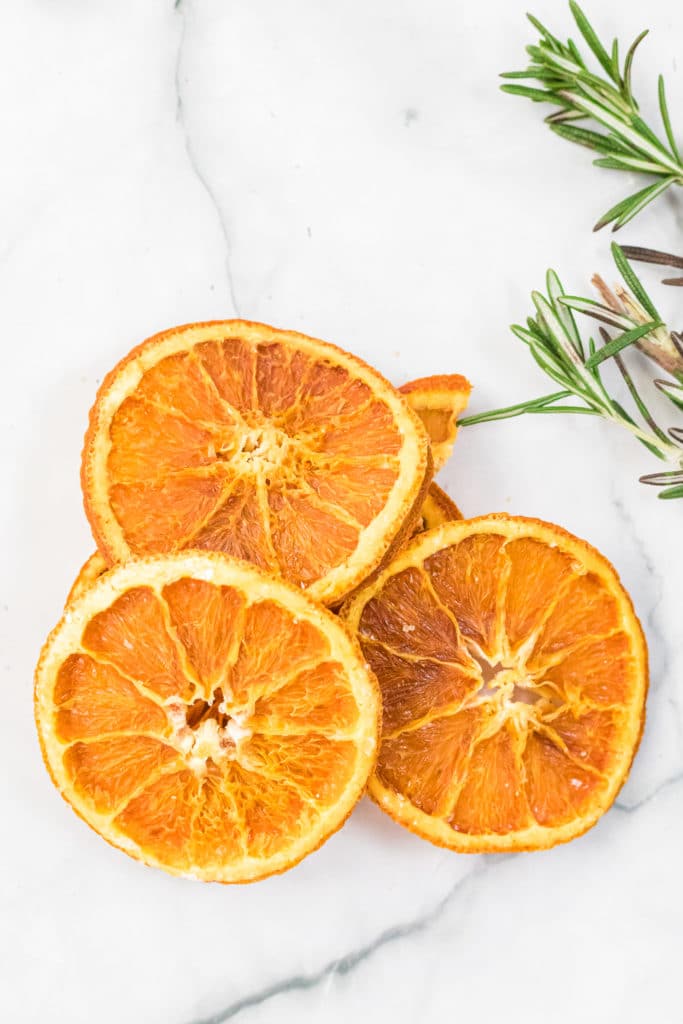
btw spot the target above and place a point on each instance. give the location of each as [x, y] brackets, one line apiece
[349, 170]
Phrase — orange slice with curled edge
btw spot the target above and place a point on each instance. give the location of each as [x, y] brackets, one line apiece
[513, 673]
[263, 444]
[204, 717]
[438, 401]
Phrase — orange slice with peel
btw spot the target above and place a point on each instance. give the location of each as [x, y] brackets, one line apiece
[262, 444]
[204, 717]
[513, 672]
[438, 401]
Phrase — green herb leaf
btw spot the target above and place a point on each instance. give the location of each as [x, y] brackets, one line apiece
[620, 343]
[605, 98]
[633, 281]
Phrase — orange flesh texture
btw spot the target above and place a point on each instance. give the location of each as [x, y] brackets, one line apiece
[438, 401]
[205, 730]
[513, 674]
[260, 449]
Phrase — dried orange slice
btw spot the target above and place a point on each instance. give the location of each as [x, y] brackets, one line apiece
[438, 508]
[513, 673]
[204, 717]
[438, 401]
[263, 444]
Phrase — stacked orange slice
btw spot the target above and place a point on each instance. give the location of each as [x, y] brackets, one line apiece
[205, 717]
[513, 673]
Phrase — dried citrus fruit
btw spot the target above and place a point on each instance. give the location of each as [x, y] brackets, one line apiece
[513, 673]
[204, 717]
[438, 508]
[89, 572]
[438, 401]
[263, 444]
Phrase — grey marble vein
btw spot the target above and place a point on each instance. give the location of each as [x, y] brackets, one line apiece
[350, 961]
[181, 117]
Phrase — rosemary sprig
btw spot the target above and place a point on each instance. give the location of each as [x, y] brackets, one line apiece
[604, 98]
[573, 362]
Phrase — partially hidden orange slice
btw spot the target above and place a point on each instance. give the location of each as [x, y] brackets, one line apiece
[263, 444]
[90, 571]
[513, 673]
[204, 717]
[438, 401]
[438, 508]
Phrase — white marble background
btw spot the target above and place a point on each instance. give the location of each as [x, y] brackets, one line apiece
[350, 170]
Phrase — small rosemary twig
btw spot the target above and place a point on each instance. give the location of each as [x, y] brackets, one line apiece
[605, 98]
[574, 363]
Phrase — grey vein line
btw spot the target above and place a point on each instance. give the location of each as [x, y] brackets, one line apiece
[674, 780]
[179, 7]
[350, 961]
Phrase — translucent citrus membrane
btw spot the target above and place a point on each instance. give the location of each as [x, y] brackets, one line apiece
[260, 451]
[511, 680]
[203, 728]
[438, 401]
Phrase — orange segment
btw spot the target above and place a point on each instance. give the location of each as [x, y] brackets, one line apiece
[470, 580]
[271, 812]
[275, 645]
[528, 740]
[263, 444]
[315, 698]
[105, 772]
[585, 600]
[536, 571]
[408, 618]
[579, 674]
[148, 443]
[239, 527]
[93, 699]
[492, 798]
[159, 819]
[558, 790]
[426, 765]
[438, 401]
[206, 619]
[181, 505]
[217, 830]
[413, 689]
[318, 767]
[205, 717]
[231, 364]
[307, 534]
[358, 488]
[131, 633]
[181, 384]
